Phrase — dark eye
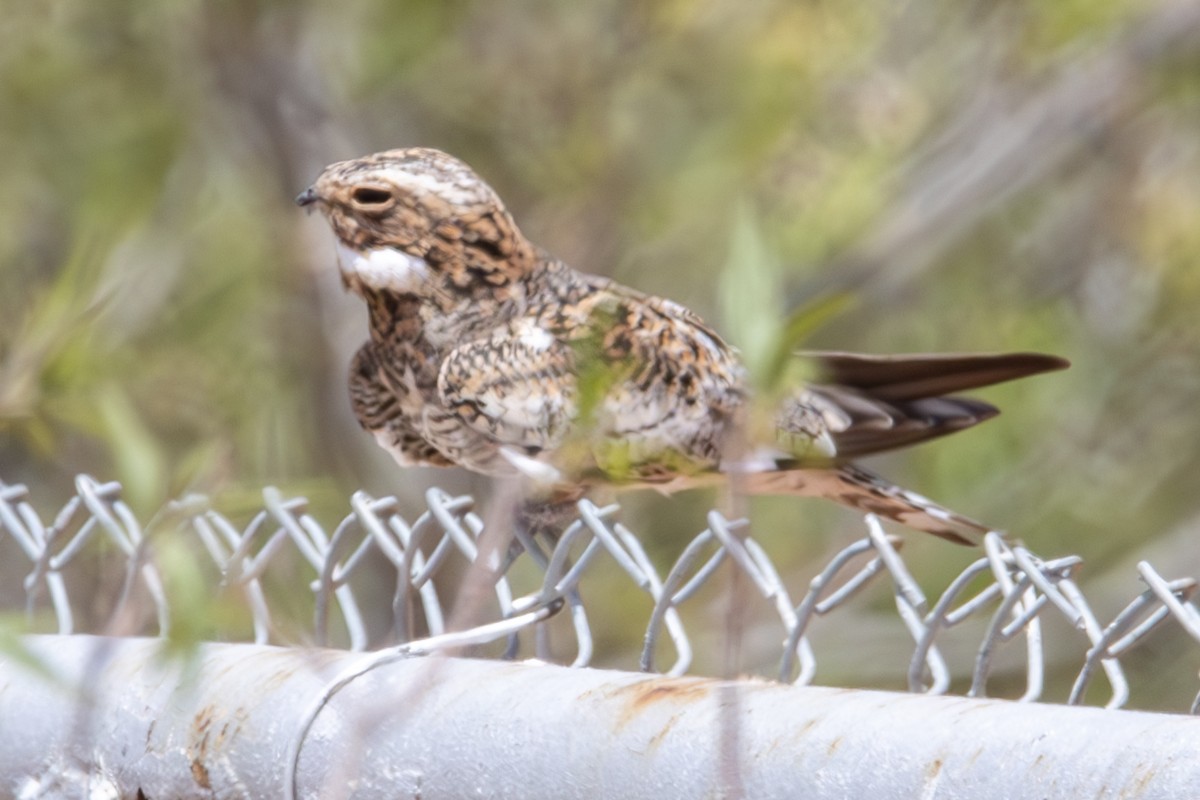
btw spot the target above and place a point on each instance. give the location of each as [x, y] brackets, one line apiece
[366, 196]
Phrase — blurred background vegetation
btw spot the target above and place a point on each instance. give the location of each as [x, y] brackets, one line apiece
[972, 176]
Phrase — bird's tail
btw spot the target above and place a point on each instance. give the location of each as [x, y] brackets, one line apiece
[859, 489]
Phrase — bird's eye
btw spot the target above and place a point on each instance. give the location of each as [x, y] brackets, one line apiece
[366, 196]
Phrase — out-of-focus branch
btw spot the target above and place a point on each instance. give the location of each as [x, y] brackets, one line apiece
[1004, 143]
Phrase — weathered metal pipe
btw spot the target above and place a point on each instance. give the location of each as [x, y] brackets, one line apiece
[110, 717]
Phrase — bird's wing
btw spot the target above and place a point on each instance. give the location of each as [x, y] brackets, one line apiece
[842, 423]
[649, 387]
[904, 377]
[517, 385]
[869, 404]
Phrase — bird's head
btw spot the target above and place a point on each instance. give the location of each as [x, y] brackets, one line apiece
[419, 222]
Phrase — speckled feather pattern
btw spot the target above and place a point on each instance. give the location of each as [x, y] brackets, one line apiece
[487, 353]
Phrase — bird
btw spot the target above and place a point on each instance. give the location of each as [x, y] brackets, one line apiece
[487, 353]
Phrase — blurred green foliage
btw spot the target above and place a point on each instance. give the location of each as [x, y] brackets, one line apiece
[169, 319]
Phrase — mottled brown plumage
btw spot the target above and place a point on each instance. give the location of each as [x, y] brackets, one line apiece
[489, 354]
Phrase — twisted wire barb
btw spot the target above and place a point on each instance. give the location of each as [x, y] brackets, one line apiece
[1018, 587]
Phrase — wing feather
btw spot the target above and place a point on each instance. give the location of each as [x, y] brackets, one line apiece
[903, 377]
[517, 386]
[868, 404]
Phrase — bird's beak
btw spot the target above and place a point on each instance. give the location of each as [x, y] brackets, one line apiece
[307, 197]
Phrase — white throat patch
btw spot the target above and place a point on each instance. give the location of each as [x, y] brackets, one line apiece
[384, 268]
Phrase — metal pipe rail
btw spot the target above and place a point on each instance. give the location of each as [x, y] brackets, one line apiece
[85, 716]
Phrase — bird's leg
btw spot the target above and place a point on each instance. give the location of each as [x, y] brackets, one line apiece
[545, 518]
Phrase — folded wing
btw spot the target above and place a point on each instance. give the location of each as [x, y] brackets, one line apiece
[865, 404]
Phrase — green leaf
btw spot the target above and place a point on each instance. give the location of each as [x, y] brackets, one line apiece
[784, 369]
[141, 463]
[751, 295]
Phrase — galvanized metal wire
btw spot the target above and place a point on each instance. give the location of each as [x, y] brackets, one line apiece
[1008, 587]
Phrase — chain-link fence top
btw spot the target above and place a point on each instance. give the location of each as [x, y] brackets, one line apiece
[455, 587]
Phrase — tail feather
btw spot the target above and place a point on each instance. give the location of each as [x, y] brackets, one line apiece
[864, 491]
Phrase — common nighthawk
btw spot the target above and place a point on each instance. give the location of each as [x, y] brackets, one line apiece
[487, 353]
